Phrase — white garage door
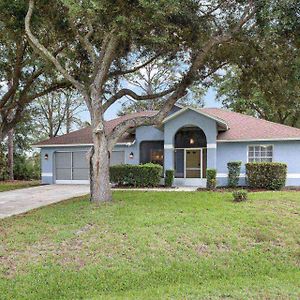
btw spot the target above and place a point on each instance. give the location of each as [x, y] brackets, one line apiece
[73, 167]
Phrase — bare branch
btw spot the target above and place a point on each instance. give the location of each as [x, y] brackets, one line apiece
[46, 53]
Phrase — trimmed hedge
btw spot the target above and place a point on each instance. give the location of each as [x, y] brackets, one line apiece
[147, 175]
[169, 178]
[234, 171]
[266, 175]
[211, 179]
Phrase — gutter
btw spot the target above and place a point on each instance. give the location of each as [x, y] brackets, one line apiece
[128, 144]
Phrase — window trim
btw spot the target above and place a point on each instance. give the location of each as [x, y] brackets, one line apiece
[260, 145]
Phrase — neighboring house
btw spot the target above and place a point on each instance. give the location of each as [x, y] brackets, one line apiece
[189, 141]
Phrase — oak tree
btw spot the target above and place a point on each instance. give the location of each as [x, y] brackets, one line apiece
[111, 39]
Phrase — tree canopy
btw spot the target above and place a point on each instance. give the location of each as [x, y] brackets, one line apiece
[263, 80]
[24, 76]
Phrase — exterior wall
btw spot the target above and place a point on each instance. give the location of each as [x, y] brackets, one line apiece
[48, 165]
[286, 152]
[190, 118]
[143, 133]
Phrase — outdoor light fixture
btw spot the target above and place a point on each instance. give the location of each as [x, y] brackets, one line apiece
[46, 156]
[131, 155]
[192, 141]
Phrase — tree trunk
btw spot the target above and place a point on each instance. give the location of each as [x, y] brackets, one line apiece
[99, 169]
[10, 148]
[68, 116]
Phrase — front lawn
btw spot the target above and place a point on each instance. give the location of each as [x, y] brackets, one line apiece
[17, 184]
[155, 245]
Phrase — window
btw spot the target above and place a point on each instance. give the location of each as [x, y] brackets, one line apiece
[152, 151]
[260, 153]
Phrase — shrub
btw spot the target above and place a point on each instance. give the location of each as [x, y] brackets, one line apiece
[234, 170]
[147, 175]
[211, 176]
[26, 168]
[266, 175]
[169, 178]
[240, 195]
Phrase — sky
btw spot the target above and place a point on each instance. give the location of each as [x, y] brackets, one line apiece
[111, 113]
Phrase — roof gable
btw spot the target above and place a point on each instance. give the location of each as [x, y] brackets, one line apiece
[222, 123]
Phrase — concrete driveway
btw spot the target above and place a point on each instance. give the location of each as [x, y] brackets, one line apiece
[22, 200]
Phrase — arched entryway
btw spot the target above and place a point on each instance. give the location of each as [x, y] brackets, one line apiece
[190, 153]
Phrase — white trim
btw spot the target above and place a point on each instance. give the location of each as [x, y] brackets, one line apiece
[225, 175]
[72, 181]
[293, 176]
[218, 120]
[78, 145]
[47, 174]
[258, 140]
[212, 146]
[61, 145]
[243, 175]
[168, 146]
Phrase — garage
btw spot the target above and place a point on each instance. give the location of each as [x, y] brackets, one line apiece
[73, 167]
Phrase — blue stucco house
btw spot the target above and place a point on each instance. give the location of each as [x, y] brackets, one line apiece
[189, 141]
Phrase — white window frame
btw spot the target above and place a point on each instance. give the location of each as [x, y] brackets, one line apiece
[260, 157]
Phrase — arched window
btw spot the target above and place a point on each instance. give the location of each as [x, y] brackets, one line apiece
[190, 137]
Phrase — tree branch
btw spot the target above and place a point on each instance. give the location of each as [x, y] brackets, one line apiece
[186, 81]
[133, 95]
[15, 79]
[84, 40]
[124, 72]
[51, 88]
[45, 53]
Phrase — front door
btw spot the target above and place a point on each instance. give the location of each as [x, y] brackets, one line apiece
[193, 163]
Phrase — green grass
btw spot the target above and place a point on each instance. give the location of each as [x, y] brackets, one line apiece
[13, 185]
[149, 245]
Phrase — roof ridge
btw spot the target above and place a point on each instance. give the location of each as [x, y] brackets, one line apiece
[253, 117]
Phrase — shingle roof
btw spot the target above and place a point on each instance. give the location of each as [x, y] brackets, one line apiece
[84, 136]
[241, 128]
[248, 128]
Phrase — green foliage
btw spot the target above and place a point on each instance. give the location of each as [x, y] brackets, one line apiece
[146, 175]
[169, 178]
[234, 170]
[240, 195]
[263, 77]
[26, 168]
[3, 165]
[211, 176]
[270, 176]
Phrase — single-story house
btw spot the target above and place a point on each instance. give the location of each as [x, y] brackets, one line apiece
[189, 141]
